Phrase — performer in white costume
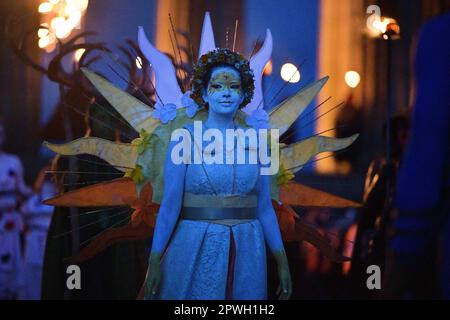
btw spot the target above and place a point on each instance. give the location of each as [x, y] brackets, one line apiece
[12, 191]
[37, 218]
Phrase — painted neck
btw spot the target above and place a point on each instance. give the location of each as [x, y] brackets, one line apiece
[220, 121]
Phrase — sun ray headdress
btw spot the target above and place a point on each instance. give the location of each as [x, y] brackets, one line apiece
[142, 160]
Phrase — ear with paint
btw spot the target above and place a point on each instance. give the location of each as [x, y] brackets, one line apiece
[204, 95]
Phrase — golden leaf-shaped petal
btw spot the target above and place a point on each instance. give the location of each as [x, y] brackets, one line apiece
[284, 115]
[134, 111]
[123, 156]
[297, 154]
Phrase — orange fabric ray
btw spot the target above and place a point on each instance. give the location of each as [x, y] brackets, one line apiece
[296, 194]
[304, 232]
[293, 229]
[110, 237]
[122, 192]
[105, 194]
[141, 226]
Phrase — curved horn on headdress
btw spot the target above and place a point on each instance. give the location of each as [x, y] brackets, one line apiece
[123, 156]
[134, 111]
[284, 115]
[257, 64]
[207, 42]
[166, 85]
[297, 154]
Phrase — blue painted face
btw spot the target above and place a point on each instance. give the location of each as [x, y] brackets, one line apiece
[224, 93]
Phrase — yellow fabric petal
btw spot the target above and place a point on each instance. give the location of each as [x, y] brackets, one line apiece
[296, 155]
[121, 155]
[137, 113]
[284, 115]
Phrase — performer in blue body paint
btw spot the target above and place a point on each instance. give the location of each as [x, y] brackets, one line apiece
[216, 251]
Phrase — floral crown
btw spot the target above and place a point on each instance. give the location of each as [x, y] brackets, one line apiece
[218, 57]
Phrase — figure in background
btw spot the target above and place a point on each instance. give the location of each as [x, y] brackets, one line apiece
[369, 231]
[37, 217]
[12, 192]
[422, 225]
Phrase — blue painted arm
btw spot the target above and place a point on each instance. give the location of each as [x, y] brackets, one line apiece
[171, 202]
[269, 222]
[266, 215]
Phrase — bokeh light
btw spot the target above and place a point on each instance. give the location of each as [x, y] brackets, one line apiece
[77, 55]
[61, 17]
[290, 73]
[352, 79]
[139, 62]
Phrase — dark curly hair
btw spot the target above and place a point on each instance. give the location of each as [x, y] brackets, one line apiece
[221, 57]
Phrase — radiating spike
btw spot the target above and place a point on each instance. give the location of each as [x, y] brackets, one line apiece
[235, 34]
[207, 42]
[112, 193]
[257, 64]
[284, 115]
[296, 155]
[120, 155]
[166, 85]
[134, 111]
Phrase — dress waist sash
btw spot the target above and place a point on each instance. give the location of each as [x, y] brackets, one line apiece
[217, 207]
[214, 213]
